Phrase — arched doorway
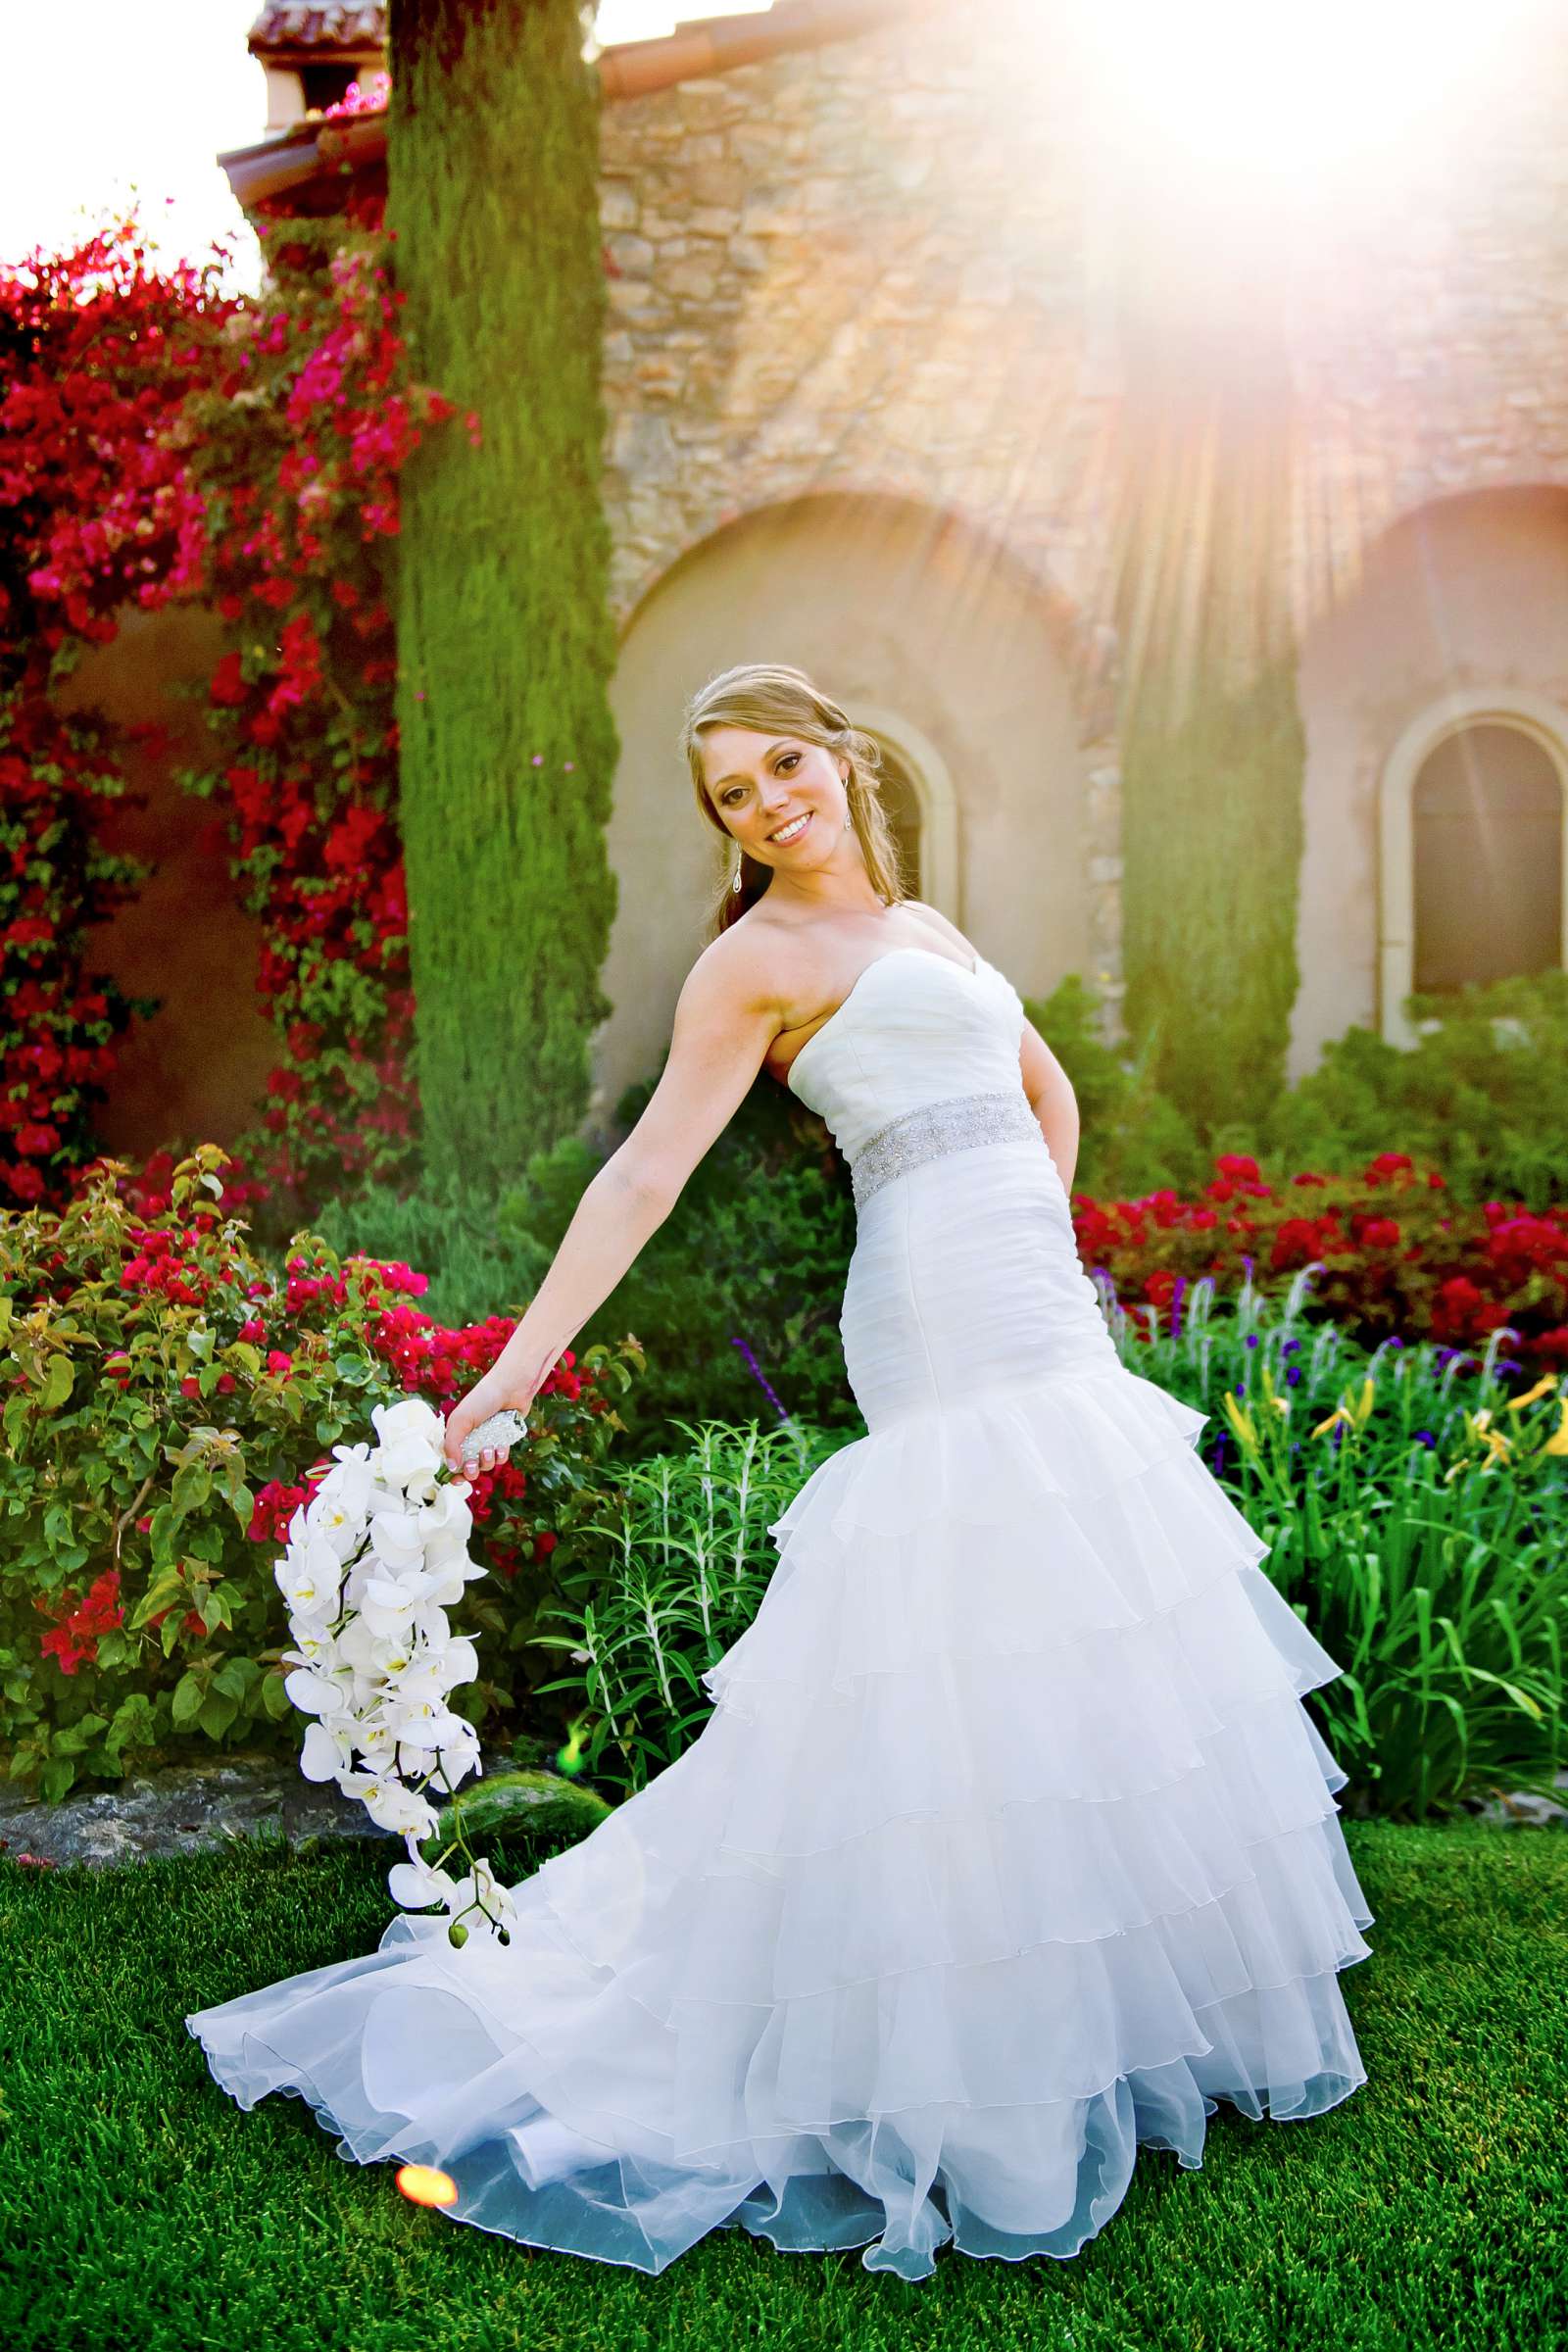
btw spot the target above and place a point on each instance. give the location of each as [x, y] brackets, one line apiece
[937, 640]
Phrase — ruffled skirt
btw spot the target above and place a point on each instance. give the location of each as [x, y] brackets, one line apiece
[1009, 1845]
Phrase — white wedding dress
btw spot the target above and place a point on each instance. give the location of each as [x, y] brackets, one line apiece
[1010, 1842]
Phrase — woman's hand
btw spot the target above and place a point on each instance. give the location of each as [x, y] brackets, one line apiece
[486, 1397]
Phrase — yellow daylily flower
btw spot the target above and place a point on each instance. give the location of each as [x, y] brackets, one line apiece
[1557, 1442]
[1240, 1419]
[1543, 1387]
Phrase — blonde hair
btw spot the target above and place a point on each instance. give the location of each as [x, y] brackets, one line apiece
[772, 697]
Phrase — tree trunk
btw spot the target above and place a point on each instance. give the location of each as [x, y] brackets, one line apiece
[506, 646]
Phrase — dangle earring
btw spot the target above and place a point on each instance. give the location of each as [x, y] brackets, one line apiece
[735, 885]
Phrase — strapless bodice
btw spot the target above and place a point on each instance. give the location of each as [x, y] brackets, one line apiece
[916, 1028]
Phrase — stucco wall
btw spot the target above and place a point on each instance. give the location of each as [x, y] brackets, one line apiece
[889, 265]
[1472, 593]
[197, 1067]
[894, 607]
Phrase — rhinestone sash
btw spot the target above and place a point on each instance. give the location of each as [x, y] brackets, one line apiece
[955, 1124]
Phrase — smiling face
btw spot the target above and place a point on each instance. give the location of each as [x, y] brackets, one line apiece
[785, 799]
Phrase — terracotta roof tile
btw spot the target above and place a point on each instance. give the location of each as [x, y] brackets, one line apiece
[338, 25]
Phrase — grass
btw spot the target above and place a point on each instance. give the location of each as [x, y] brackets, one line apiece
[139, 2207]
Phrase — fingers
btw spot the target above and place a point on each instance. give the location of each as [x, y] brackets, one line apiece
[490, 1459]
[470, 1465]
[468, 1451]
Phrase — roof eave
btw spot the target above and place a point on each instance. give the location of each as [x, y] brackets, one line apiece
[628, 70]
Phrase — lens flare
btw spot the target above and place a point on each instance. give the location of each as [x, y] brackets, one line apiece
[423, 2184]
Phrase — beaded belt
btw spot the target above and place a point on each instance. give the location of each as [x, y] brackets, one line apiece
[956, 1125]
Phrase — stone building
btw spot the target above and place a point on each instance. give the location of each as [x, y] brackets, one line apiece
[864, 374]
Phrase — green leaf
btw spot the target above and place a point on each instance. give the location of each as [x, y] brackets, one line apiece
[80, 1735]
[162, 1593]
[216, 1609]
[215, 1714]
[58, 1528]
[275, 1700]
[237, 1678]
[192, 1485]
[190, 1692]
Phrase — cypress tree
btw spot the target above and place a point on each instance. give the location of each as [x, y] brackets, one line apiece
[506, 644]
[1214, 751]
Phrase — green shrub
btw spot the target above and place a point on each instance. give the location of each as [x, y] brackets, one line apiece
[1132, 1137]
[477, 1254]
[169, 1402]
[1483, 1094]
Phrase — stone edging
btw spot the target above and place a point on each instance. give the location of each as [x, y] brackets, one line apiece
[208, 1804]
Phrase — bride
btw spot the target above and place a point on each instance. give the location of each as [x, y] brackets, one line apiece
[1009, 1843]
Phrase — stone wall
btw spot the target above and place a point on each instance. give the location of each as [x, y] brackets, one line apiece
[887, 266]
[861, 270]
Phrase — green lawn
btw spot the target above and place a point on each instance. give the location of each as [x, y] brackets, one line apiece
[140, 2208]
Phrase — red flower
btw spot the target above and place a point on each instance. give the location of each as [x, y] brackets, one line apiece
[1387, 1163]
[28, 930]
[227, 687]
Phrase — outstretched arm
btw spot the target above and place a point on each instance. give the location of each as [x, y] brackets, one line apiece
[726, 1017]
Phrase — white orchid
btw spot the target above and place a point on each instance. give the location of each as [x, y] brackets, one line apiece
[329, 1749]
[389, 1804]
[311, 1577]
[335, 1512]
[412, 1434]
[398, 1543]
[417, 1887]
[374, 1561]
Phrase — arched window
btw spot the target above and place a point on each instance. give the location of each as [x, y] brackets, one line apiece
[922, 807]
[1487, 855]
[1473, 848]
[900, 800]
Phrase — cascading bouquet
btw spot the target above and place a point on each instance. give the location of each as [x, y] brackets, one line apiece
[373, 1561]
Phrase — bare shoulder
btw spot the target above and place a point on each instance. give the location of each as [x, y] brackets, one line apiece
[743, 969]
[939, 923]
